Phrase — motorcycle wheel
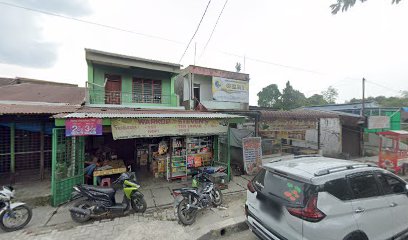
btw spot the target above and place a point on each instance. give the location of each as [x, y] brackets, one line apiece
[217, 195]
[5, 225]
[186, 216]
[139, 205]
[80, 218]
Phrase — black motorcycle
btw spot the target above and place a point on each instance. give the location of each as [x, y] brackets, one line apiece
[100, 201]
[190, 200]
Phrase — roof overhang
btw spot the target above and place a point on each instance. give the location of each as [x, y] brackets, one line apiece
[123, 61]
[215, 73]
[147, 115]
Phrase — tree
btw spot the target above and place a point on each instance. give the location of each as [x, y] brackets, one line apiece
[330, 95]
[315, 100]
[344, 5]
[238, 67]
[292, 98]
[270, 97]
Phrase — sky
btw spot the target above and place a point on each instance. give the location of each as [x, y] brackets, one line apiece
[275, 41]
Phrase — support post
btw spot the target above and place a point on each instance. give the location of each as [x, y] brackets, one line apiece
[318, 135]
[229, 152]
[363, 117]
[12, 152]
[42, 145]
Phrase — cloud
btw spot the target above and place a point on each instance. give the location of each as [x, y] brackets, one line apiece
[21, 41]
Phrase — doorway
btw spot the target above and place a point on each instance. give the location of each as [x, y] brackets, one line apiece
[196, 94]
[113, 89]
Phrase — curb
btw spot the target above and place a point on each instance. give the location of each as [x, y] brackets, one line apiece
[225, 231]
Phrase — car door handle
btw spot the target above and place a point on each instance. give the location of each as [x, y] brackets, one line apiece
[359, 210]
[393, 204]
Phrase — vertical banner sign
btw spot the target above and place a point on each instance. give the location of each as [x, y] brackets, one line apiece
[252, 153]
[83, 127]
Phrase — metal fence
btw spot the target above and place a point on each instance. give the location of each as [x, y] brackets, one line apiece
[113, 97]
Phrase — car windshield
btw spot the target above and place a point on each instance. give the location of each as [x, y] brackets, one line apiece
[281, 188]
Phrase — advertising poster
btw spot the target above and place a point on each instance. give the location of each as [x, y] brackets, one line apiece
[252, 153]
[83, 127]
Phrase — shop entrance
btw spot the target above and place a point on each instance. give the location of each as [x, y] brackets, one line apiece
[158, 158]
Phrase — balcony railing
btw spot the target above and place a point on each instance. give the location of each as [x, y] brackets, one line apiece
[127, 98]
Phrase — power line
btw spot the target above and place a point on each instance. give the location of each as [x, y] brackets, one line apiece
[216, 23]
[382, 86]
[89, 22]
[198, 26]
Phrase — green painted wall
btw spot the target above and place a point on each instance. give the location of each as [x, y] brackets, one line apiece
[395, 121]
[96, 75]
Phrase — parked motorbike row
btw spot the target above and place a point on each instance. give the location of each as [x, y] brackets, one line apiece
[93, 201]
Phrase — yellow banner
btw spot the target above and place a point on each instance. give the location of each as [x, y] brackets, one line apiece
[157, 127]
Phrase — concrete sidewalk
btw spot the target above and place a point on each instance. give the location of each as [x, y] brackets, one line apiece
[158, 197]
[156, 224]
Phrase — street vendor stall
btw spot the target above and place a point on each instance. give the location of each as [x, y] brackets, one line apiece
[393, 157]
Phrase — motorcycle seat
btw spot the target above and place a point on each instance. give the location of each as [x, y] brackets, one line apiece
[106, 190]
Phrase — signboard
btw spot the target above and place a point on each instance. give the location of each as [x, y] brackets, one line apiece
[252, 154]
[288, 129]
[378, 122]
[156, 127]
[230, 90]
[83, 127]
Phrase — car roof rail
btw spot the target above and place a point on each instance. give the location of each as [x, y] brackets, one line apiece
[306, 156]
[342, 168]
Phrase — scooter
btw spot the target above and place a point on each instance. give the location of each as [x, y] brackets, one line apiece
[203, 194]
[100, 201]
[13, 216]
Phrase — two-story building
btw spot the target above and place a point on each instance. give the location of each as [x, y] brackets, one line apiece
[132, 117]
[215, 89]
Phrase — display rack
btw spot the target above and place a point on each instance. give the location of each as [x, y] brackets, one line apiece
[201, 148]
[177, 166]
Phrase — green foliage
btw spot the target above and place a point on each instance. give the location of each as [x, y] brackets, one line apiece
[387, 101]
[344, 5]
[292, 98]
[316, 100]
[270, 96]
[330, 95]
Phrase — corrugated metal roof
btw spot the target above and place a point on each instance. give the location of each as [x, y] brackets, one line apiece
[298, 114]
[32, 92]
[89, 112]
[14, 109]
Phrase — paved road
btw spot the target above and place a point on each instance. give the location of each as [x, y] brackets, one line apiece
[244, 235]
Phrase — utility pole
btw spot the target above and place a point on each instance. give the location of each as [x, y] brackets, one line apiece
[363, 118]
[363, 102]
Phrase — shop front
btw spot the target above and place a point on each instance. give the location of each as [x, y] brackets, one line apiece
[157, 146]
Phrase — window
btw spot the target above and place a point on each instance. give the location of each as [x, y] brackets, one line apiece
[338, 188]
[281, 189]
[147, 91]
[390, 184]
[364, 186]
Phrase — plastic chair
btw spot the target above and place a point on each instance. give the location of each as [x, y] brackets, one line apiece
[106, 182]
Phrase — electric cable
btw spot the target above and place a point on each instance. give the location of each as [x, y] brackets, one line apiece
[198, 27]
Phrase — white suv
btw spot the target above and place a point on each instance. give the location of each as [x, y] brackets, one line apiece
[318, 198]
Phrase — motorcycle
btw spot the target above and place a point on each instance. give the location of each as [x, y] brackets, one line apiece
[13, 216]
[203, 194]
[100, 201]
